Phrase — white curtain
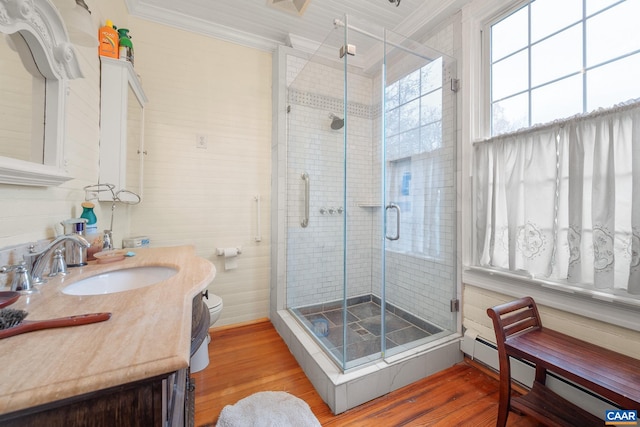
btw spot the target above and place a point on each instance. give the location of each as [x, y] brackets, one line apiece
[562, 202]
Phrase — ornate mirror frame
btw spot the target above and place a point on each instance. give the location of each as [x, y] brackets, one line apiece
[39, 22]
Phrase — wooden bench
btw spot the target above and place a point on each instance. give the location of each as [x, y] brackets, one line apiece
[520, 334]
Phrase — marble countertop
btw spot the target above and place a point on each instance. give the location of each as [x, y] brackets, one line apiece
[149, 333]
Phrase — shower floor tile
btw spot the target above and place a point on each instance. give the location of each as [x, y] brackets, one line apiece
[365, 310]
[364, 328]
[393, 323]
[407, 335]
[336, 317]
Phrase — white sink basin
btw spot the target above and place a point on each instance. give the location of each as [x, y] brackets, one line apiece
[120, 280]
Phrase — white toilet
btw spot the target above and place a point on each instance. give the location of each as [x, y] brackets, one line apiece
[200, 359]
[214, 302]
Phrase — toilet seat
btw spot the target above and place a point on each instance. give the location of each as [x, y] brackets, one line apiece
[213, 301]
[200, 359]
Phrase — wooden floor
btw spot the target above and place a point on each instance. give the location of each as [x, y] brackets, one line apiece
[252, 358]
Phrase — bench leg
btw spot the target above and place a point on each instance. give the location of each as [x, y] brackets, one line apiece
[505, 396]
[541, 374]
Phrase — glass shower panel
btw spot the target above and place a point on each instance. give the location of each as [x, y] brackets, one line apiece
[364, 290]
[315, 193]
[418, 162]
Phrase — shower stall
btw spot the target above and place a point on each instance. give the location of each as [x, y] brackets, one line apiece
[365, 274]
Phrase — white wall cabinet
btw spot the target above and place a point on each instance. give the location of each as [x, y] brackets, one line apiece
[122, 102]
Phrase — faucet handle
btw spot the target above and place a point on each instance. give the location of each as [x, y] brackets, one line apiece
[21, 279]
[58, 265]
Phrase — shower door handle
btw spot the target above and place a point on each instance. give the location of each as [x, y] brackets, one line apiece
[397, 208]
[305, 220]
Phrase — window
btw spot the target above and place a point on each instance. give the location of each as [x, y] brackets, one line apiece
[416, 170]
[555, 203]
[554, 59]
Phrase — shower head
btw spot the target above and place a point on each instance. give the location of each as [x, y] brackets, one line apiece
[336, 122]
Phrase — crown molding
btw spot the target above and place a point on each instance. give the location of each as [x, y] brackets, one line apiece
[303, 44]
[419, 25]
[200, 26]
[423, 21]
[428, 17]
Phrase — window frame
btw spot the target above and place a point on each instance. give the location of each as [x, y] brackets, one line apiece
[529, 91]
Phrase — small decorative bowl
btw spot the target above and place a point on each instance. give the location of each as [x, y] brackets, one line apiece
[113, 255]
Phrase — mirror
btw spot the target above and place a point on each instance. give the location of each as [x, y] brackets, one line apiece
[22, 98]
[37, 61]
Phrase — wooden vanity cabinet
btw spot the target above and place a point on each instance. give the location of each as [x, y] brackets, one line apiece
[163, 401]
[160, 401]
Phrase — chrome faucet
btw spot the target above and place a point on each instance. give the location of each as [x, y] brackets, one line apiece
[37, 261]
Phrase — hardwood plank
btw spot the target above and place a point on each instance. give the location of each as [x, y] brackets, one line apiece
[253, 357]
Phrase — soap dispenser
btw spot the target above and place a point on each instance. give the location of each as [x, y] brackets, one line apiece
[91, 232]
[90, 216]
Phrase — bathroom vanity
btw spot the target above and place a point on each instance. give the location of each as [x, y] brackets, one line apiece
[130, 370]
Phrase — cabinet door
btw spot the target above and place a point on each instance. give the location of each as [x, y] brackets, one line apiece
[135, 144]
[137, 404]
[121, 127]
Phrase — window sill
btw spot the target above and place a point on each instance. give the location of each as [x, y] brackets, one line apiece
[614, 309]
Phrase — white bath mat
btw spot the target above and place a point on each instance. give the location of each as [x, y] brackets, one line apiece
[268, 409]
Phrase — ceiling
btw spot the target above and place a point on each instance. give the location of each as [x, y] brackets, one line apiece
[257, 24]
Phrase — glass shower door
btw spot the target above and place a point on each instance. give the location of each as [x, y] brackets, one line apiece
[419, 166]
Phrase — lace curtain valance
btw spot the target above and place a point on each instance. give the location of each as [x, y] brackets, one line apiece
[562, 202]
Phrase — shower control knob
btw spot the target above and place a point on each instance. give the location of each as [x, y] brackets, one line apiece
[323, 211]
[340, 210]
[332, 211]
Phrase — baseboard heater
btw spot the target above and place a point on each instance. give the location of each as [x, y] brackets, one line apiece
[523, 372]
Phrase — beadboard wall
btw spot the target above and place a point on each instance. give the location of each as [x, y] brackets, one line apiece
[477, 300]
[197, 85]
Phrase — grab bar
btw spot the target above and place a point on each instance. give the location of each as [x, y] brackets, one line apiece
[397, 208]
[258, 237]
[305, 220]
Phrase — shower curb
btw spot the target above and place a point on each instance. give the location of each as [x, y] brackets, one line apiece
[345, 390]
